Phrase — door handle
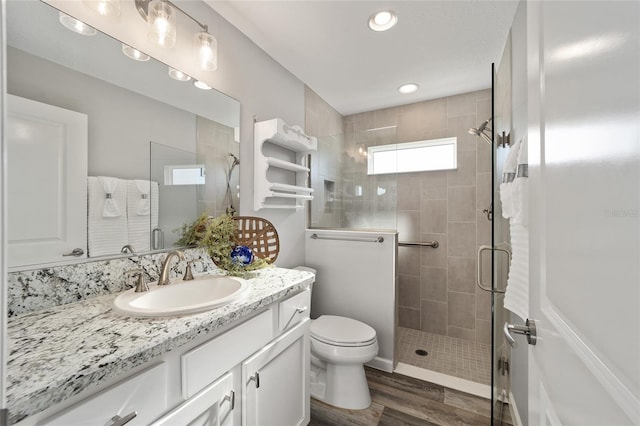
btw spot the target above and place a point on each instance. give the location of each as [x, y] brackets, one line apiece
[75, 252]
[529, 330]
[121, 421]
[481, 249]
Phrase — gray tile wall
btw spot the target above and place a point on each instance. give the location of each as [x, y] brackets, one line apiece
[437, 291]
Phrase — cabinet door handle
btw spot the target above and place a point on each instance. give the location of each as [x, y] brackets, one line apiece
[232, 398]
[75, 252]
[298, 311]
[256, 378]
[121, 421]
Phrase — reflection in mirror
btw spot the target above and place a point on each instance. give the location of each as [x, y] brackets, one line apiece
[73, 91]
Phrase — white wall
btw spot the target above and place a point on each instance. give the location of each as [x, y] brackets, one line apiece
[264, 88]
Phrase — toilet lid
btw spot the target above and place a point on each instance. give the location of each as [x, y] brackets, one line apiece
[342, 331]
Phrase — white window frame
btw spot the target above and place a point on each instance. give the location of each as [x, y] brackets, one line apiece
[372, 150]
[169, 169]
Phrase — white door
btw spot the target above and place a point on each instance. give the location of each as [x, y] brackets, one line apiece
[47, 218]
[584, 162]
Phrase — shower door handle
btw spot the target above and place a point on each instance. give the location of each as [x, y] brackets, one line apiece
[482, 249]
[529, 330]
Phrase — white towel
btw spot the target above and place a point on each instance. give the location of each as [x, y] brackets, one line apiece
[142, 212]
[520, 191]
[110, 186]
[516, 298]
[106, 234]
[508, 176]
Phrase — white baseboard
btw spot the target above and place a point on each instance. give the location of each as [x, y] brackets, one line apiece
[513, 409]
[383, 364]
[467, 386]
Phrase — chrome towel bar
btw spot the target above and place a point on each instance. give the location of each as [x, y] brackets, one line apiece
[378, 239]
[433, 244]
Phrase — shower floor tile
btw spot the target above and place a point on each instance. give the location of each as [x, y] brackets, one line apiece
[448, 355]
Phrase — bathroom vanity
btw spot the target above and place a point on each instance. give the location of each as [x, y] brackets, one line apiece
[245, 363]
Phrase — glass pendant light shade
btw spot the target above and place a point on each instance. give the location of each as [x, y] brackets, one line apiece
[134, 54]
[162, 23]
[76, 26]
[206, 51]
[104, 7]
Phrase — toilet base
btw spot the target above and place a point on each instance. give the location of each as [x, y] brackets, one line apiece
[342, 386]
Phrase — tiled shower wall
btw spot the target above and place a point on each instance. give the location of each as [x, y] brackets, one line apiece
[437, 291]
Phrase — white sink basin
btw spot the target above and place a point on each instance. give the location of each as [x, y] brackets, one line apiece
[201, 294]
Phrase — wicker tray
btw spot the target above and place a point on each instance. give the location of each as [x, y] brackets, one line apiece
[259, 235]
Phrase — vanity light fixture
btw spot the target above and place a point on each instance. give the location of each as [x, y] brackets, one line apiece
[104, 7]
[161, 18]
[201, 85]
[134, 54]
[75, 25]
[178, 75]
[383, 20]
[405, 89]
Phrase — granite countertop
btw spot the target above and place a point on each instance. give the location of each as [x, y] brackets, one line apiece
[57, 353]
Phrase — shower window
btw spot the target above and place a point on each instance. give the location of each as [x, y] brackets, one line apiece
[435, 154]
[184, 175]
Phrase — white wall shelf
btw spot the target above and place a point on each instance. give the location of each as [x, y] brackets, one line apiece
[281, 175]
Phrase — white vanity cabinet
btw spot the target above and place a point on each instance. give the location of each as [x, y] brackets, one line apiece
[255, 372]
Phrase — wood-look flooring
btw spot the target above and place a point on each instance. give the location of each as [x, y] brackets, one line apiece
[402, 400]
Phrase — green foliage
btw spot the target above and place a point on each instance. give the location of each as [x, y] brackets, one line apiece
[217, 236]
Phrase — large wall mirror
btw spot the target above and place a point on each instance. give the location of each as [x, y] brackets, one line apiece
[106, 154]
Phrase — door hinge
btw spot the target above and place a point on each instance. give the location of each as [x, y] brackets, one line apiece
[503, 366]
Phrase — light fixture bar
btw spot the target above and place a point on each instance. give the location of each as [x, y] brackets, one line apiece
[143, 10]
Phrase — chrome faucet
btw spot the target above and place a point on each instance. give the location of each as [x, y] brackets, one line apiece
[164, 272]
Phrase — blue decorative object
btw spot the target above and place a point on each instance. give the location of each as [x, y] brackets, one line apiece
[242, 255]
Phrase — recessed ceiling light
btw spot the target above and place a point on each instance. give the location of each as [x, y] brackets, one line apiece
[75, 25]
[383, 20]
[134, 54]
[408, 88]
[201, 85]
[178, 75]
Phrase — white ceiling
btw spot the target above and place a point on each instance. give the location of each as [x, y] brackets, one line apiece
[447, 47]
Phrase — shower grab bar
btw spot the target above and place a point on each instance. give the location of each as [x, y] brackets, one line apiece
[433, 244]
[479, 277]
[361, 240]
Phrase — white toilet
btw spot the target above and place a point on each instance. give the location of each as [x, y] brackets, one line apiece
[339, 348]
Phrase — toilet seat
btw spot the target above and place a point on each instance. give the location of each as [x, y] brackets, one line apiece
[342, 331]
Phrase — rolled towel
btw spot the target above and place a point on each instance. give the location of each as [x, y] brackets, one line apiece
[508, 175]
[520, 192]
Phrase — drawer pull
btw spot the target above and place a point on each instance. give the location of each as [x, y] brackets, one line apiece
[121, 421]
[231, 397]
[256, 378]
[293, 315]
